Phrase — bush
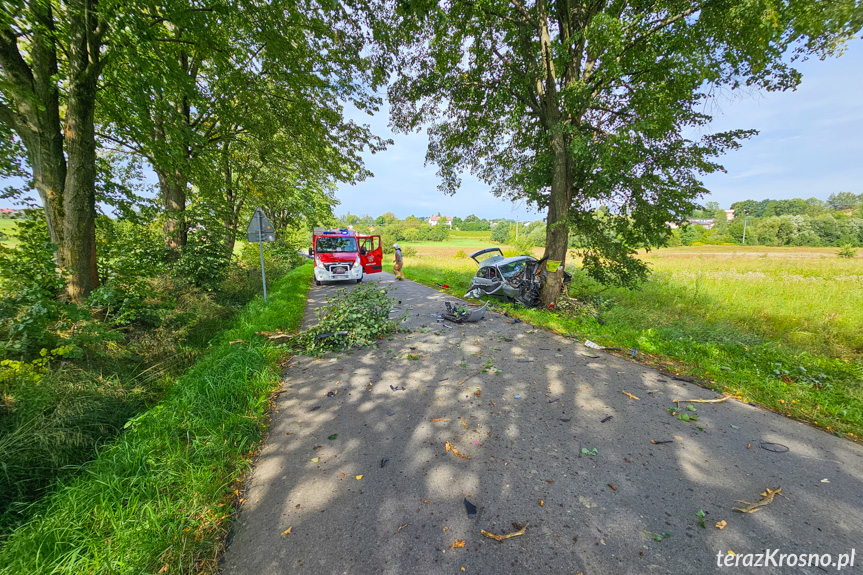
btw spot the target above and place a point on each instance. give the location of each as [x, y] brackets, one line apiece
[501, 232]
[847, 251]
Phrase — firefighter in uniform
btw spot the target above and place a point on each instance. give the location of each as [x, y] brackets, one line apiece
[397, 265]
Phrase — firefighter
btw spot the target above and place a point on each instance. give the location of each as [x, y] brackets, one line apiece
[399, 262]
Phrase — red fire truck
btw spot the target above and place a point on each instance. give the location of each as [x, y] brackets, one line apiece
[344, 255]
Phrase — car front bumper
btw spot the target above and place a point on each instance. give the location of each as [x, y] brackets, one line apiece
[324, 275]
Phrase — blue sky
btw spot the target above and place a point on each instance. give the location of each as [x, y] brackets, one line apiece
[810, 144]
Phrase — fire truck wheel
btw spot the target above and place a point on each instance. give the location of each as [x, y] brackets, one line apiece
[317, 282]
[359, 280]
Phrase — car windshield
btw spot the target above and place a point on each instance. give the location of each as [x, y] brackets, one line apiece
[336, 245]
[512, 268]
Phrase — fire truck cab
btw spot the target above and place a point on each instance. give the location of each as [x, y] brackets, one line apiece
[344, 255]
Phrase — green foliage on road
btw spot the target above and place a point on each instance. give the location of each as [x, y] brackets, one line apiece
[164, 492]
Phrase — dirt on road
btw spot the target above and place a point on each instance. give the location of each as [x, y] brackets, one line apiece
[548, 433]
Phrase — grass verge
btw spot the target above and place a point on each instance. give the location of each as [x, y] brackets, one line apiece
[683, 332]
[160, 498]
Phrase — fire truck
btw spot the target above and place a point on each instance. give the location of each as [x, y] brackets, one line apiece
[344, 255]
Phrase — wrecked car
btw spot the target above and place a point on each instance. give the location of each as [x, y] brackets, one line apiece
[518, 278]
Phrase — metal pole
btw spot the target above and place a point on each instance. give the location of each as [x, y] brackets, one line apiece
[261, 247]
[516, 229]
[744, 231]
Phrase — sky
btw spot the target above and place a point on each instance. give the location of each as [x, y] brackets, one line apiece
[810, 144]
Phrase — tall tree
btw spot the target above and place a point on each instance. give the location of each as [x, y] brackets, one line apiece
[571, 104]
[51, 59]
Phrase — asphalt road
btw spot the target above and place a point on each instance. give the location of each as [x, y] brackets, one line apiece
[523, 404]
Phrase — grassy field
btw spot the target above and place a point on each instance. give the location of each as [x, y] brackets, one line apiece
[7, 227]
[782, 327]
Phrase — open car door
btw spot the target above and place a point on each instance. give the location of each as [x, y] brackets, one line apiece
[371, 254]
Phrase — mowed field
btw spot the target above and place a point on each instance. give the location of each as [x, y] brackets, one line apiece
[7, 227]
[779, 326]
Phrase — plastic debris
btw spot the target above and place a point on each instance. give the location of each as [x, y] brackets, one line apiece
[384, 461]
[391, 413]
[517, 396]
[470, 508]
[332, 393]
[501, 538]
[358, 477]
[766, 499]
[609, 418]
[333, 437]
[315, 459]
[591, 345]
[774, 447]
[516, 320]
[460, 314]
[825, 481]
[587, 451]
[633, 352]
[287, 531]
[734, 427]
[457, 544]
[721, 525]
[397, 388]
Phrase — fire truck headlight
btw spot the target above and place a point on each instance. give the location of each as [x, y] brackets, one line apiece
[318, 262]
[357, 262]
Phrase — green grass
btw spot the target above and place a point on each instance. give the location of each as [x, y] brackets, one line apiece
[7, 227]
[163, 493]
[779, 330]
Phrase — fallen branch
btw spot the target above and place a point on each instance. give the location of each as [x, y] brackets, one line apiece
[766, 499]
[717, 400]
[271, 335]
[500, 538]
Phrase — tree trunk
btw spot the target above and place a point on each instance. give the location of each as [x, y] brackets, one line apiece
[79, 198]
[231, 210]
[557, 224]
[173, 188]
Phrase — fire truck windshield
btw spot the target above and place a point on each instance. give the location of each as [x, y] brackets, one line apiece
[336, 245]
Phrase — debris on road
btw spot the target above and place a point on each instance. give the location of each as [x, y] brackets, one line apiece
[721, 525]
[825, 481]
[287, 531]
[402, 527]
[587, 451]
[501, 538]
[384, 461]
[774, 447]
[333, 437]
[315, 459]
[470, 508]
[391, 413]
[766, 499]
[613, 488]
[591, 345]
[462, 314]
[397, 388]
[449, 447]
[330, 334]
[358, 477]
[274, 335]
[717, 400]
[437, 419]
[629, 395]
[457, 544]
[654, 442]
[633, 352]
[332, 393]
[315, 408]
[609, 418]
[236, 341]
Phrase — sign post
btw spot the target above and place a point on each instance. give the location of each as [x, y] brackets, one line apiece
[261, 230]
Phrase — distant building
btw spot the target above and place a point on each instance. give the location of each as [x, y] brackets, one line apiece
[729, 214]
[433, 221]
[8, 212]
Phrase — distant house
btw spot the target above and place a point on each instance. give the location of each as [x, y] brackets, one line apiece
[433, 221]
[729, 214]
[8, 213]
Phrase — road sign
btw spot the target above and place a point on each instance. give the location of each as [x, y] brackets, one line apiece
[260, 229]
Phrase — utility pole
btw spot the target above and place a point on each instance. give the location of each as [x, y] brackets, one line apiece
[516, 228]
[744, 229]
